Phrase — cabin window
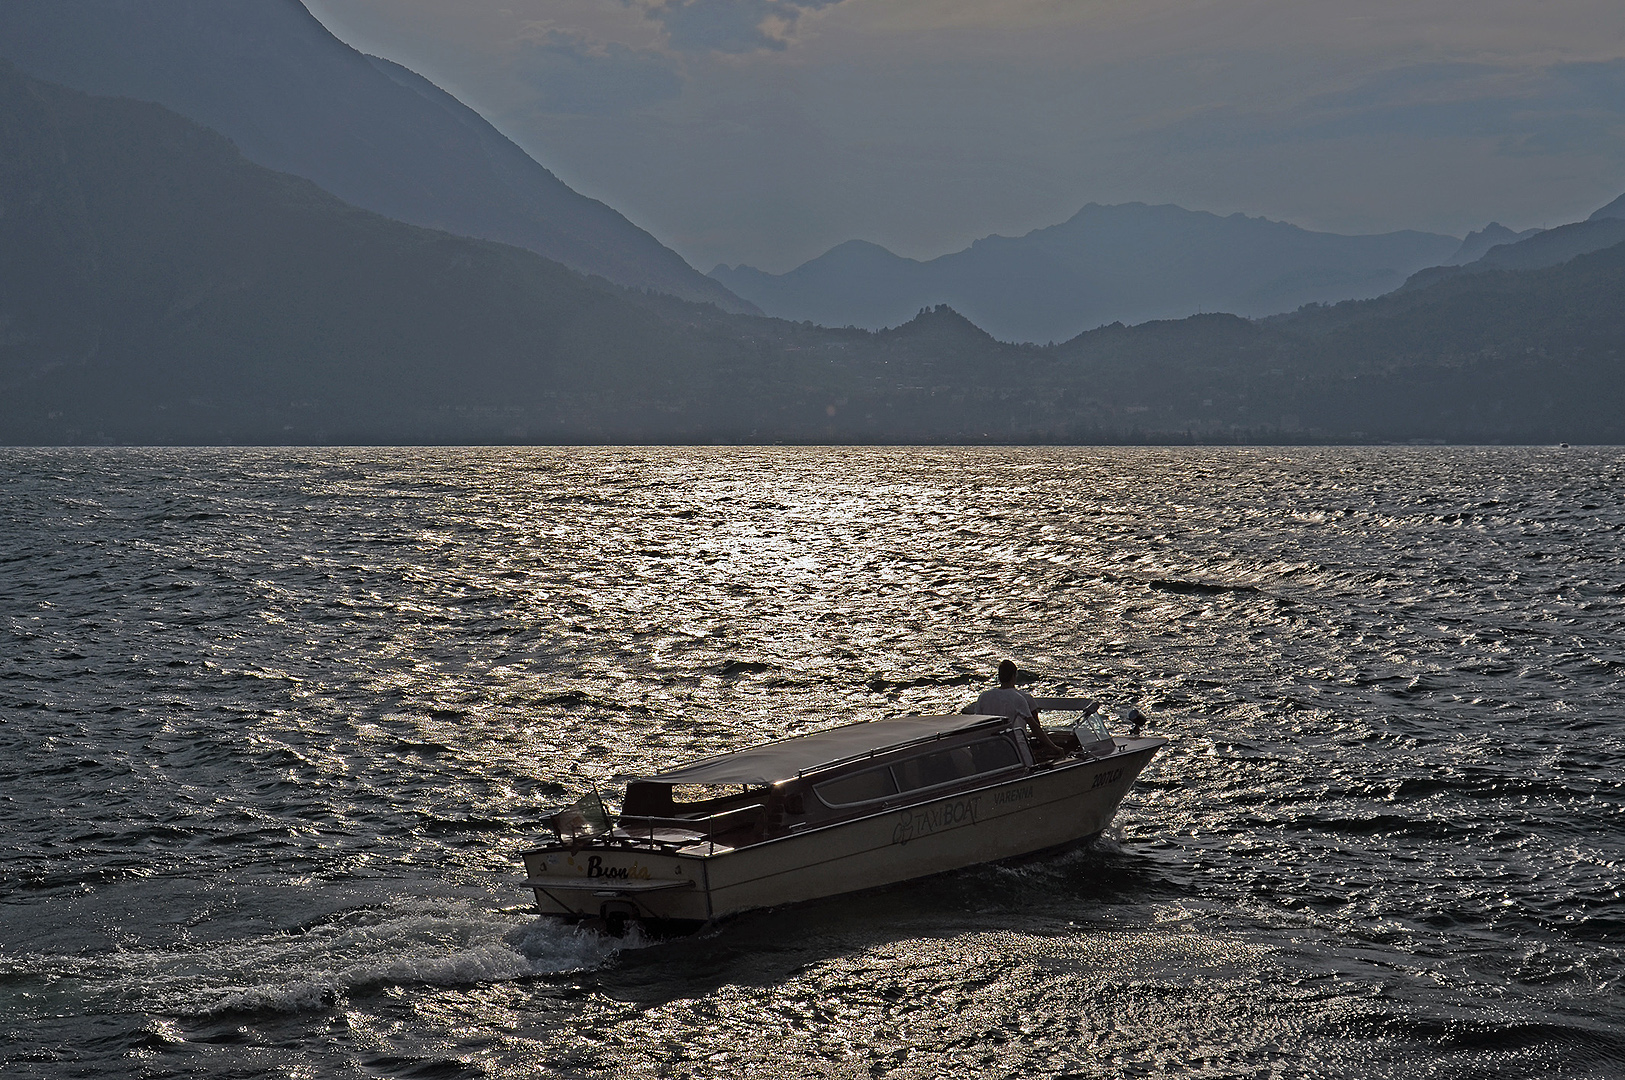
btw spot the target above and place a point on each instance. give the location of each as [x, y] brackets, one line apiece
[946, 766]
[865, 786]
[924, 771]
[937, 767]
[991, 755]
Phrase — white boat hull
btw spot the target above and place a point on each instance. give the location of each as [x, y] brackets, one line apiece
[1045, 809]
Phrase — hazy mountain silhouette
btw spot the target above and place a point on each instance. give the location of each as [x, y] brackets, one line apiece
[1537, 248]
[1128, 263]
[1478, 243]
[1554, 246]
[1615, 209]
[292, 97]
[1499, 356]
[162, 289]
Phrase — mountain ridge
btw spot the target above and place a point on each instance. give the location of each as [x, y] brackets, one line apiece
[1128, 262]
[1615, 209]
[294, 98]
[1535, 249]
[1477, 244]
[165, 290]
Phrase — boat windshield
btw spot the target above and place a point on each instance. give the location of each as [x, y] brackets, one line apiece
[1090, 728]
[586, 817]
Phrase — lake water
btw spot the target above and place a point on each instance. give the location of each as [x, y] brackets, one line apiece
[274, 725]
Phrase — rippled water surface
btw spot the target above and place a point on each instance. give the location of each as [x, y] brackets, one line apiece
[275, 723]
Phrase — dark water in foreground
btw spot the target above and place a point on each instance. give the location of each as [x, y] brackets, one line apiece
[273, 725]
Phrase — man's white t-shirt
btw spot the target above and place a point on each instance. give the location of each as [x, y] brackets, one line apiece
[1005, 701]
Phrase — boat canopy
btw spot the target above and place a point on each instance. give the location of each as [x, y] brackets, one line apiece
[784, 760]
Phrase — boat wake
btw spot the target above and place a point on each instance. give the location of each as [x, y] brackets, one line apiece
[418, 942]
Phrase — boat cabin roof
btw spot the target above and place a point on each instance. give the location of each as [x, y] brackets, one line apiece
[786, 759]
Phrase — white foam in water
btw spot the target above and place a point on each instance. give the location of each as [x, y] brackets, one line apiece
[416, 943]
[1110, 841]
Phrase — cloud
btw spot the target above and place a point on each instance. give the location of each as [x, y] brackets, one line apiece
[595, 78]
[767, 131]
[1561, 108]
[730, 26]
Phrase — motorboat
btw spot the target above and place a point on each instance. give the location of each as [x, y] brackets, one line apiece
[836, 811]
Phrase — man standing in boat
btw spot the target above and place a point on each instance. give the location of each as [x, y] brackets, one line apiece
[1016, 704]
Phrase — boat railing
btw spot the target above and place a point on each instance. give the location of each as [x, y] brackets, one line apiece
[867, 755]
[659, 829]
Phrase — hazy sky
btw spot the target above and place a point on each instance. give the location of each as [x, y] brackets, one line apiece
[767, 131]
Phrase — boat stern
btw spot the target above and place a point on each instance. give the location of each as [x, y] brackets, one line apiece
[616, 883]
